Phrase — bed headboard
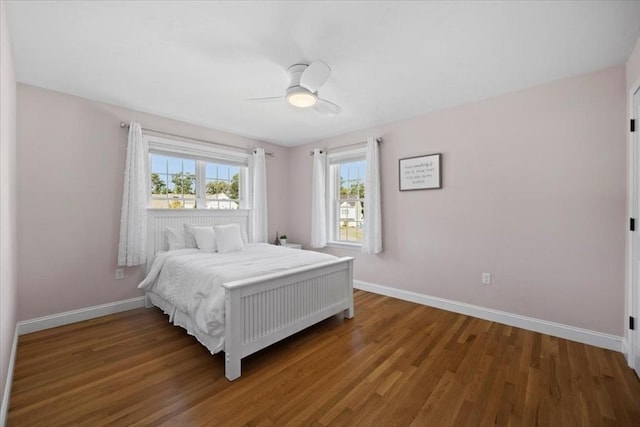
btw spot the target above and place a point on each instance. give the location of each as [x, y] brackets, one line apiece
[159, 219]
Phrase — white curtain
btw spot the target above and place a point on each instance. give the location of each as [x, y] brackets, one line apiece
[318, 200]
[372, 237]
[133, 219]
[258, 170]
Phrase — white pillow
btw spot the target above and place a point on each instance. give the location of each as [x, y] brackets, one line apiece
[243, 232]
[175, 238]
[229, 238]
[189, 238]
[205, 238]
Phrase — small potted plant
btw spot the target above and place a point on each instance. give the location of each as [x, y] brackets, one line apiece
[283, 240]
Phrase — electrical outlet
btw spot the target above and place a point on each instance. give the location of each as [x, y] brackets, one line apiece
[486, 278]
[119, 273]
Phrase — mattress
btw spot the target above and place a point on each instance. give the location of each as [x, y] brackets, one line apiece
[187, 283]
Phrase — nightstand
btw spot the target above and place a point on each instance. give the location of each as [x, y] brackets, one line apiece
[292, 246]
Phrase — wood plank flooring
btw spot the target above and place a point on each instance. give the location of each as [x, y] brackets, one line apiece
[395, 363]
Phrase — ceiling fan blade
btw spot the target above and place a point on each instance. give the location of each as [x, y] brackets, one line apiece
[270, 99]
[327, 108]
[315, 75]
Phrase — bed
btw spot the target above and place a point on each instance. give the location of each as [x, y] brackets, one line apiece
[244, 301]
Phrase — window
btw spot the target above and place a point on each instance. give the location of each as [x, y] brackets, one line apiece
[347, 193]
[222, 186]
[189, 175]
[173, 182]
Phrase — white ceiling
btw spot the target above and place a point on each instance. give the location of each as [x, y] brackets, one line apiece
[199, 61]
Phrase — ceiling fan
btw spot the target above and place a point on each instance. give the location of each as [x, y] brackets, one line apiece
[302, 92]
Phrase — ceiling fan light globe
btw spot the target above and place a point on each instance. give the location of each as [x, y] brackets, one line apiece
[301, 98]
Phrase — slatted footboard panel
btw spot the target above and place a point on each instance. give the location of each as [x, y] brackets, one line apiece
[262, 312]
[267, 312]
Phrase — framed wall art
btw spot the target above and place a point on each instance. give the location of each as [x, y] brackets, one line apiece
[421, 172]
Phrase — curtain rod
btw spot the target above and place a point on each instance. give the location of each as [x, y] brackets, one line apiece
[378, 140]
[126, 125]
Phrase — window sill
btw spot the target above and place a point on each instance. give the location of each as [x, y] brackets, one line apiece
[343, 245]
[198, 212]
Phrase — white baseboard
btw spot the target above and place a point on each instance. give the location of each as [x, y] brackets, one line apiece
[4, 409]
[46, 322]
[585, 336]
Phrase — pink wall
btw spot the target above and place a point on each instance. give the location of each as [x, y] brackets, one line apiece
[8, 142]
[534, 193]
[71, 160]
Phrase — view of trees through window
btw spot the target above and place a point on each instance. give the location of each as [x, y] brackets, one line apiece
[174, 183]
[351, 202]
[222, 186]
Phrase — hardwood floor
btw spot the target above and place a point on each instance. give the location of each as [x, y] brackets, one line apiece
[395, 363]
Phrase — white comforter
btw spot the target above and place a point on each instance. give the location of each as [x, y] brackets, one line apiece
[191, 280]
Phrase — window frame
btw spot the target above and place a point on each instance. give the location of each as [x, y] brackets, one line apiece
[202, 154]
[334, 161]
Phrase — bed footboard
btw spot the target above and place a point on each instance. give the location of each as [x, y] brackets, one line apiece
[262, 311]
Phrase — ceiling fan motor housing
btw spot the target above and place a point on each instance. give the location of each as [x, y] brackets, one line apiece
[295, 71]
[297, 95]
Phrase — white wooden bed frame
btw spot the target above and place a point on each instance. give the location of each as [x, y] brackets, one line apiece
[263, 310]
